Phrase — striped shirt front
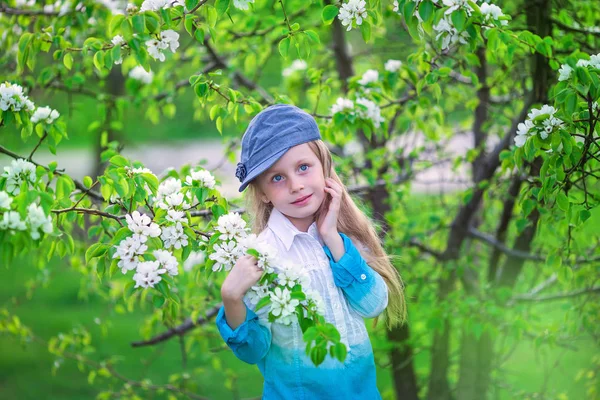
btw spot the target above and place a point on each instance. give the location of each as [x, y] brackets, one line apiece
[350, 290]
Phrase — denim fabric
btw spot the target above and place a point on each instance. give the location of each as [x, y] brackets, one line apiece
[351, 291]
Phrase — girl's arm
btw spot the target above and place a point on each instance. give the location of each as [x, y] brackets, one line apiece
[364, 288]
[240, 328]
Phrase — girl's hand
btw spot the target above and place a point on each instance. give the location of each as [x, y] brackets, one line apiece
[327, 225]
[244, 274]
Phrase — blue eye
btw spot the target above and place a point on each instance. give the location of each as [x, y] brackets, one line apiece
[305, 166]
[276, 180]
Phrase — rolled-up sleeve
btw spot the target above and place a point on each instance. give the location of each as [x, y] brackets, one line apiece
[250, 341]
[364, 288]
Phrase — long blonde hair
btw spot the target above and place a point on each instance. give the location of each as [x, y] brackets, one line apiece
[352, 222]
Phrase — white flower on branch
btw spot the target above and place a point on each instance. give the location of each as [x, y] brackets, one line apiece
[535, 124]
[393, 65]
[456, 5]
[167, 261]
[174, 236]
[449, 33]
[492, 11]
[37, 219]
[203, 177]
[175, 216]
[167, 187]
[5, 200]
[282, 305]
[297, 65]
[342, 105]
[142, 226]
[231, 226]
[291, 274]
[173, 201]
[369, 77]
[12, 220]
[140, 74]
[169, 39]
[352, 10]
[317, 300]
[19, 171]
[257, 292]
[148, 273]
[370, 111]
[225, 256]
[12, 98]
[267, 254]
[195, 258]
[242, 4]
[45, 114]
[128, 251]
[564, 72]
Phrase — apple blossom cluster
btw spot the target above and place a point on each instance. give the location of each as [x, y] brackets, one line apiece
[393, 65]
[169, 39]
[564, 73]
[242, 4]
[12, 98]
[353, 10]
[36, 220]
[445, 28]
[18, 172]
[140, 74]
[131, 249]
[297, 65]
[44, 114]
[540, 122]
[156, 5]
[364, 109]
[236, 241]
[202, 177]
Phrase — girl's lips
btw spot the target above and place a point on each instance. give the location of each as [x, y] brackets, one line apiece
[303, 201]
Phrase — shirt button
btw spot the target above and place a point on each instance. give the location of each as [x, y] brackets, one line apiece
[337, 306]
[363, 277]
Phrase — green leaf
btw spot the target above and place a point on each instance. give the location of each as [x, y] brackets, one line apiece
[119, 161]
[115, 23]
[68, 61]
[329, 13]
[138, 23]
[563, 201]
[365, 30]
[284, 46]
[158, 301]
[459, 17]
[99, 60]
[426, 10]
[95, 250]
[313, 36]
[191, 4]
[221, 6]
[262, 303]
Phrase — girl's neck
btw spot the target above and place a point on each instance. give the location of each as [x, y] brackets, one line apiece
[302, 224]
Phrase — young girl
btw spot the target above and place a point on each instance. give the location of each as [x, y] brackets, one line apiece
[299, 206]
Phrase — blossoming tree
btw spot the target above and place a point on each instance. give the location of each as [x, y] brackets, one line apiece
[535, 138]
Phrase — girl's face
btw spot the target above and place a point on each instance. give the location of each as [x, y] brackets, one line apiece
[295, 185]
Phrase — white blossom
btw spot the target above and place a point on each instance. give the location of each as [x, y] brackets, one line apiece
[202, 176]
[147, 274]
[174, 236]
[396, 7]
[316, 298]
[297, 65]
[564, 72]
[342, 105]
[5, 200]
[195, 258]
[231, 226]
[372, 111]
[169, 39]
[45, 114]
[117, 40]
[37, 219]
[267, 253]
[140, 74]
[155, 5]
[225, 256]
[456, 5]
[168, 187]
[12, 220]
[142, 226]
[19, 171]
[393, 65]
[544, 127]
[449, 33]
[13, 98]
[352, 10]
[167, 261]
[176, 216]
[291, 274]
[257, 292]
[128, 251]
[492, 11]
[595, 61]
[369, 77]
[242, 4]
[282, 305]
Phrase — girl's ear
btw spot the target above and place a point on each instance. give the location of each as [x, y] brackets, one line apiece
[264, 198]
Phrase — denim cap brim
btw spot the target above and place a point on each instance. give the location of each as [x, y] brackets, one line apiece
[270, 134]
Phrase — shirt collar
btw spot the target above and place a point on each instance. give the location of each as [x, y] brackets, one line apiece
[286, 231]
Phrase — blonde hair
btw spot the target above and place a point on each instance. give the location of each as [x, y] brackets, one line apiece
[352, 222]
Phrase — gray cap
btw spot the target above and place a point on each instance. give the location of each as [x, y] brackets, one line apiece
[269, 135]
